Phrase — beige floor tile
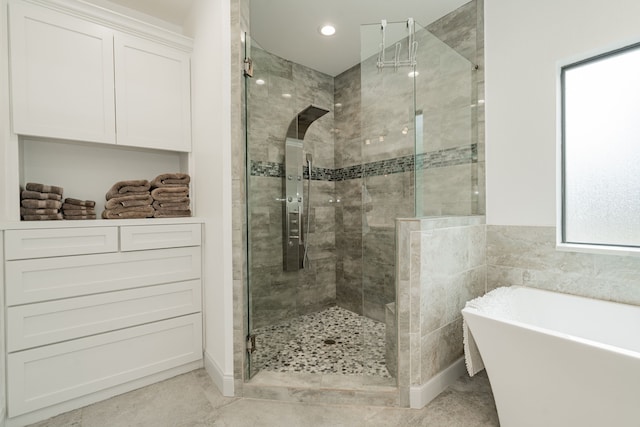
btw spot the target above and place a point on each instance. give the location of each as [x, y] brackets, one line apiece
[191, 400]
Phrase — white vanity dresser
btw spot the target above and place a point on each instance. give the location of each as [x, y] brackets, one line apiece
[97, 308]
[93, 308]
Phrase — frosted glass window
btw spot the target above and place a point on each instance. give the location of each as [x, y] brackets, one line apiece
[601, 149]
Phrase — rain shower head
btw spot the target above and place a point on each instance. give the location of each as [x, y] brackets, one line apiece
[300, 124]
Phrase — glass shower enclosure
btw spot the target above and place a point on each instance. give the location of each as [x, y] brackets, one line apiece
[332, 161]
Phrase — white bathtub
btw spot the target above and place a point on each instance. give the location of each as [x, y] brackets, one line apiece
[560, 360]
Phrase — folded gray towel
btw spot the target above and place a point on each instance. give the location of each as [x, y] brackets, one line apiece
[32, 211]
[120, 188]
[177, 201]
[79, 217]
[42, 217]
[134, 212]
[175, 206]
[87, 203]
[171, 180]
[171, 214]
[43, 188]
[28, 194]
[169, 194]
[72, 207]
[78, 210]
[129, 201]
[41, 204]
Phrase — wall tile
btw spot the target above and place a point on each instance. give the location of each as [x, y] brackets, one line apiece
[527, 256]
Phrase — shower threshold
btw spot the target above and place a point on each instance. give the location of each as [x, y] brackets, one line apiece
[324, 388]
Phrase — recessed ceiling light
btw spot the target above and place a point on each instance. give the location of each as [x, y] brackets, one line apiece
[327, 30]
[286, 95]
[260, 82]
[413, 74]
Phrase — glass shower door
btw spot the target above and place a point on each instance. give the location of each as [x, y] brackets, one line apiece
[269, 106]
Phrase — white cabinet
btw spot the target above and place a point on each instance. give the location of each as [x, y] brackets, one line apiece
[74, 77]
[92, 310]
[153, 101]
[61, 75]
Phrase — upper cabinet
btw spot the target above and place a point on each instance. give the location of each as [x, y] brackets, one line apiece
[153, 90]
[75, 77]
[61, 76]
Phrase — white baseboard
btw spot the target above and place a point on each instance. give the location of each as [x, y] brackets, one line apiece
[224, 383]
[419, 396]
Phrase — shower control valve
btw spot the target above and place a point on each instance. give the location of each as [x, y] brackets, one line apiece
[289, 199]
[300, 199]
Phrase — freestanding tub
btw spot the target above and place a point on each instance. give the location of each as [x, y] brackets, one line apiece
[558, 360]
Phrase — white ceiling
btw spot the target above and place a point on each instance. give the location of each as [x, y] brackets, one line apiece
[289, 28]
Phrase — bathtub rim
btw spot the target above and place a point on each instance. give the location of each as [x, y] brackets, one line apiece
[547, 331]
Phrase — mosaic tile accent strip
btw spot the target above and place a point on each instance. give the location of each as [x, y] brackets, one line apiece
[435, 159]
[327, 342]
[267, 169]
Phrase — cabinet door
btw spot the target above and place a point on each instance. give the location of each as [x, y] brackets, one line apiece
[61, 75]
[153, 94]
[52, 242]
[34, 325]
[142, 237]
[56, 373]
[46, 279]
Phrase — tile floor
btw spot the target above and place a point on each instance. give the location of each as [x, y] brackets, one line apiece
[331, 341]
[191, 400]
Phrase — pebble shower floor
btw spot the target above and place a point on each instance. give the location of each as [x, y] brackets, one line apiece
[332, 341]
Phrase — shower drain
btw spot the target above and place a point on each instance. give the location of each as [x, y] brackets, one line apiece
[329, 341]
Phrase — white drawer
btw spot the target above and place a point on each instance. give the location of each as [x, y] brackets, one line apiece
[35, 280]
[142, 237]
[49, 322]
[55, 373]
[54, 242]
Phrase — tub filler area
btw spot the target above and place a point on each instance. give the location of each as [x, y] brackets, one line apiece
[555, 359]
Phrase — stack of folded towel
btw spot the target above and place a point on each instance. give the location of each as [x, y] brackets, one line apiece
[170, 192]
[129, 199]
[40, 202]
[78, 209]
